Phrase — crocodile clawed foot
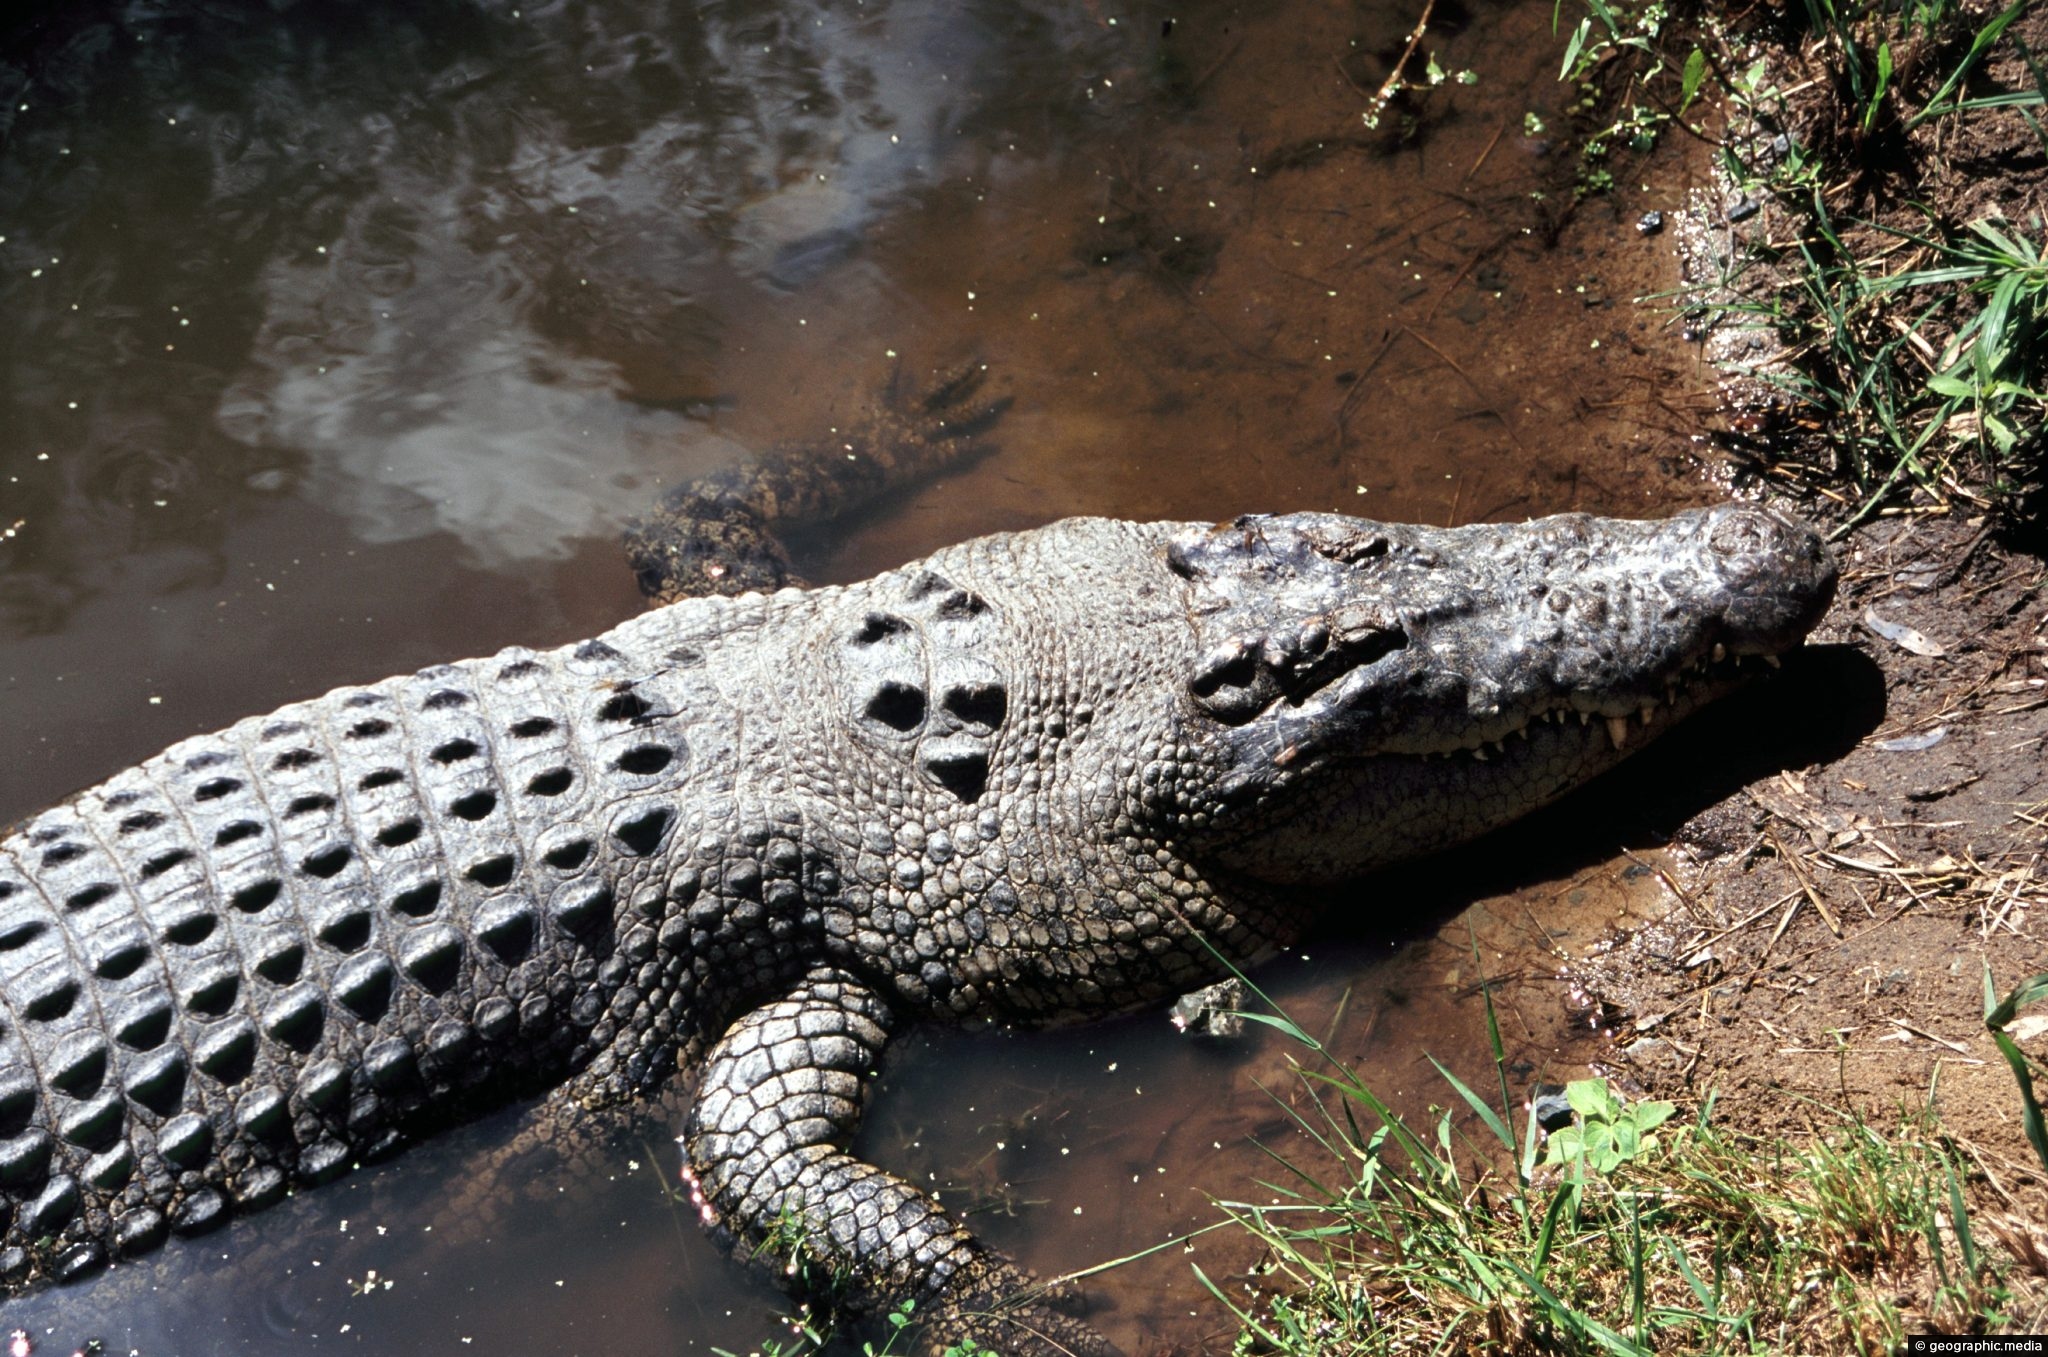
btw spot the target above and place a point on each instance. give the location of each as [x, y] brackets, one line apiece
[999, 1308]
[953, 408]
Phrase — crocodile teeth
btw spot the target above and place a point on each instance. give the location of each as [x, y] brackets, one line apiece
[1617, 731]
[1649, 710]
[1720, 652]
[1772, 660]
[1479, 754]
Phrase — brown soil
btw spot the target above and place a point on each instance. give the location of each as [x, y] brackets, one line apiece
[1838, 919]
[1887, 188]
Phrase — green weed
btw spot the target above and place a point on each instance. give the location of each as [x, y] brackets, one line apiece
[1627, 1234]
[1914, 349]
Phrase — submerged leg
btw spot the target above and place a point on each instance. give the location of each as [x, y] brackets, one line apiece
[718, 534]
[781, 1099]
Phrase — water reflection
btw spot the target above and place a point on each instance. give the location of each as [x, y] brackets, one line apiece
[447, 268]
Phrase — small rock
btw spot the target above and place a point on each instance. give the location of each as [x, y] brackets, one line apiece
[1650, 223]
[1211, 1011]
[1552, 1110]
[1743, 210]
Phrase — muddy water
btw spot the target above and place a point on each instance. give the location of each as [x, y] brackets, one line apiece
[337, 345]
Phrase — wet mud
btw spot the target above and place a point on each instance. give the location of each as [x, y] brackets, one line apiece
[337, 347]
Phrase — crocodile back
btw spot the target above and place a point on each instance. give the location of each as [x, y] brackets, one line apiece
[272, 952]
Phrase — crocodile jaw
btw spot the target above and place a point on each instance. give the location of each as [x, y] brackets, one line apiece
[1352, 669]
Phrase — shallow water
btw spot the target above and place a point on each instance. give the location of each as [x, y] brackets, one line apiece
[336, 346]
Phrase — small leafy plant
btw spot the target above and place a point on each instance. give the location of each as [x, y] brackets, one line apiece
[1607, 1134]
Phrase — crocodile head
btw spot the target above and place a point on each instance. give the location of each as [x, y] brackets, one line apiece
[1366, 691]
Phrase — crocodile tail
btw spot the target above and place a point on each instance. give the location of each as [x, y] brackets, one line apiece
[275, 951]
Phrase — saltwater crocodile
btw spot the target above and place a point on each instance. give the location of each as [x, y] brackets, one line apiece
[1033, 778]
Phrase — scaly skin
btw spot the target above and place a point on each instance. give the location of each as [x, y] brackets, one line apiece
[1034, 778]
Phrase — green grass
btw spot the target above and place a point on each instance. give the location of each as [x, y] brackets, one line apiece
[1631, 1233]
[1915, 348]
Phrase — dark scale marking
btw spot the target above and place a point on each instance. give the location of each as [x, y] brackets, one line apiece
[404, 832]
[257, 896]
[140, 822]
[324, 1085]
[898, 706]
[25, 1159]
[641, 834]
[475, 806]
[382, 777]
[282, 964]
[328, 862]
[24, 929]
[191, 929]
[347, 930]
[163, 862]
[228, 1052]
[553, 782]
[370, 729]
[533, 727]
[78, 1065]
[63, 853]
[185, 1140]
[52, 1002]
[264, 1113]
[580, 912]
[391, 1065]
[96, 1125]
[644, 760]
[90, 896]
[596, 652]
[979, 704]
[122, 959]
[145, 1022]
[308, 804]
[626, 706]
[507, 928]
[296, 1017]
[236, 832]
[493, 872]
[363, 984]
[213, 789]
[157, 1082]
[565, 857]
[445, 699]
[214, 995]
[17, 1101]
[454, 751]
[433, 957]
[418, 900]
[57, 1204]
[292, 759]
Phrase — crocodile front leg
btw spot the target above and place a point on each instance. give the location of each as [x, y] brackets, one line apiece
[766, 1144]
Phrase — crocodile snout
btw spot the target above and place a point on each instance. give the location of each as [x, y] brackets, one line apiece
[1774, 574]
